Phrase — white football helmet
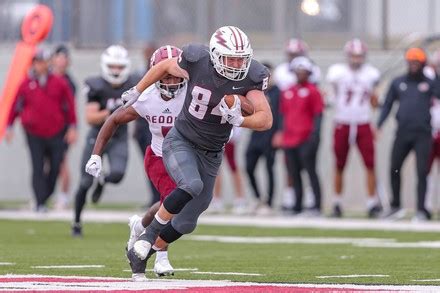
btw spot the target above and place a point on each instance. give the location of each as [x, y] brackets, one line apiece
[226, 42]
[115, 64]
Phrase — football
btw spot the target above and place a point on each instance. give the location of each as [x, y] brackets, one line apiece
[246, 106]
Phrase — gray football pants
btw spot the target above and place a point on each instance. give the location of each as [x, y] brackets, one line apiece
[117, 153]
[194, 171]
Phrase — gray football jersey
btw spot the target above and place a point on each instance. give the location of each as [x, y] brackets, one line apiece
[200, 120]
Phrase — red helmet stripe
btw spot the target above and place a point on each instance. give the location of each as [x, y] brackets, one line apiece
[241, 39]
[235, 37]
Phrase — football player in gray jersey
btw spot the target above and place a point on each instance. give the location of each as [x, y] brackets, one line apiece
[103, 98]
[193, 149]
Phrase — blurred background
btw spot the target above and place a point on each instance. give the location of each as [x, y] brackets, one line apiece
[87, 27]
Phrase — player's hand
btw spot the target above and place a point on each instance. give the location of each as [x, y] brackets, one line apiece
[232, 115]
[376, 133]
[94, 166]
[130, 96]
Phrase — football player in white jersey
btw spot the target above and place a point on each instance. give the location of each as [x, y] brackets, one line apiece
[159, 104]
[435, 123]
[353, 86]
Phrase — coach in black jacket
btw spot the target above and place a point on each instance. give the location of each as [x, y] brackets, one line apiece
[414, 92]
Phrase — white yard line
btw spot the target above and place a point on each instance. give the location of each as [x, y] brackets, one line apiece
[352, 276]
[69, 267]
[227, 273]
[175, 269]
[427, 280]
[7, 263]
[232, 220]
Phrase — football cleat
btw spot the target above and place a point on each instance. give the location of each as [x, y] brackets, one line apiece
[142, 247]
[77, 230]
[337, 211]
[163, 268]
[137, 265]
[133, 234]
[138, 277]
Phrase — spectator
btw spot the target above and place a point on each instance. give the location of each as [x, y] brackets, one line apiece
[285, 78]
[59, 65]
[103, 98]
[46, 107]
[354, 84]
[302, 107]
[260, 144]
[414, 92]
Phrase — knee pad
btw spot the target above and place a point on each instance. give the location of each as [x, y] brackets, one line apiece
[185, 227]
[114, 177]
[194, 187]
[169, 234]
[177, 199]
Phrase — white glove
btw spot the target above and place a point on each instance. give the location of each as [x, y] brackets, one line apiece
[232, 115]
[130, 96]
[94, 166]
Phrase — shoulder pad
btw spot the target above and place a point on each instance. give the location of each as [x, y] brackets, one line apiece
[95, 83]
[193, 52]
[257, 71]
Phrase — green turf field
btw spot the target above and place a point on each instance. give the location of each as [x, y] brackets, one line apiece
[49, 243]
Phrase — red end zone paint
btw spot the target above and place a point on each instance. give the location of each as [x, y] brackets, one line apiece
[23, 283]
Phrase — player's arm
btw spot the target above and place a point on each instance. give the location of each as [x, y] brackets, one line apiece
[262, 118]
[388, 104]
[157, 72]
[95, 116]
[120, 116]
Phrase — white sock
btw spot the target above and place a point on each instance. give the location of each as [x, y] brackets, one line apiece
[161, 254]
[337, 199]
[372, 201]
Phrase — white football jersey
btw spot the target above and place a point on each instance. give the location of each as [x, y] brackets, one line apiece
[435, 115]
[352, 92]
[284, 78]
[160, 114]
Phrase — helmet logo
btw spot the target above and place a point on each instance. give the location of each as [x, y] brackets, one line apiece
[235, 38]
[220, 39]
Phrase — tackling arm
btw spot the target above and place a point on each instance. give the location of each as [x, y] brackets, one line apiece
[262, 118]
[120, 116]
[157, 72]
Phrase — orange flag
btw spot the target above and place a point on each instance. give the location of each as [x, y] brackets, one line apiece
[34, 29]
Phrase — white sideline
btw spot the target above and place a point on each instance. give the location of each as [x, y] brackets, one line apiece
[69, 267]
[104, 216]
[352, 276]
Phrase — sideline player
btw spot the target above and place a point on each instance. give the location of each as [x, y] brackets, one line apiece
[354, 84]
[193, 149]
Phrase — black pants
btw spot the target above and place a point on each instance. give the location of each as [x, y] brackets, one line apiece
[253, 154]
[299, 158]
[405, 141]
[143, 137]
[46, 155]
